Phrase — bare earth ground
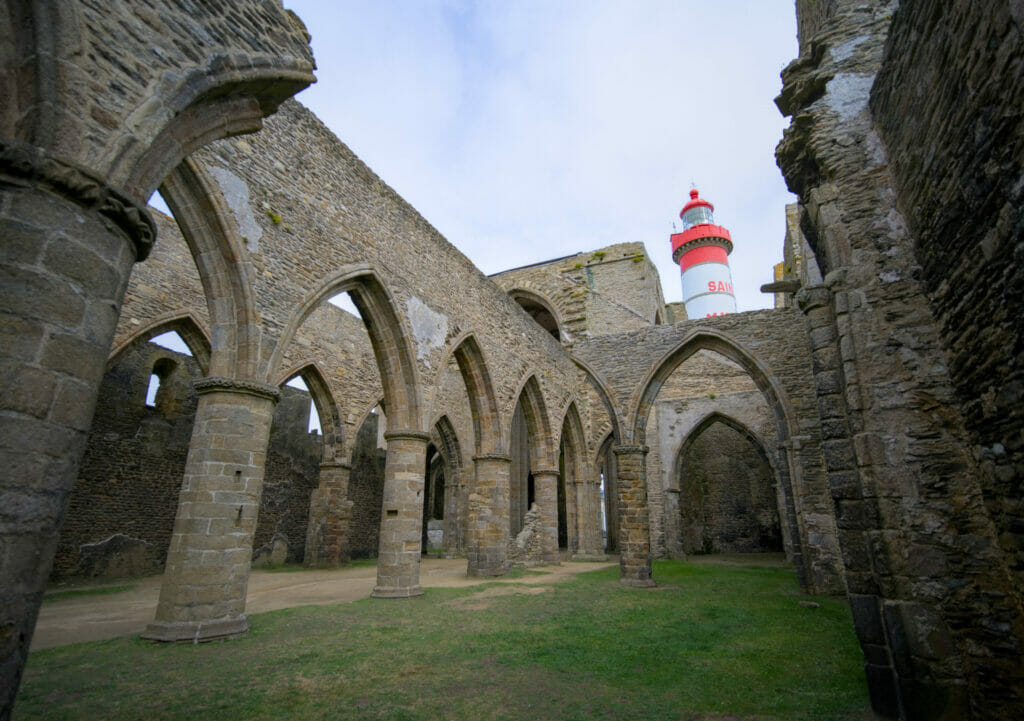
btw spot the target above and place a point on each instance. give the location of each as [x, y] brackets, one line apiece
[94, 618]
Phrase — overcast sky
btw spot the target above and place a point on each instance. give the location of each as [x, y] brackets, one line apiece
[526, 130]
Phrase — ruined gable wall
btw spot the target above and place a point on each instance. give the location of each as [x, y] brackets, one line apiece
[608, 290]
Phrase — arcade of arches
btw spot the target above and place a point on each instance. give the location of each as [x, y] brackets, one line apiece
[869, 427]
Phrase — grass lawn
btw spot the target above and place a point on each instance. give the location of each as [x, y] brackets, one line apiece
[710, 642]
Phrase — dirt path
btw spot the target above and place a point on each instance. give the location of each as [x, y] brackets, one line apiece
[94, 618]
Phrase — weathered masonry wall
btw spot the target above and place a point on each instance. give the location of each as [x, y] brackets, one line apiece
[366, 490]
[905, 151]
[293, 469]
[956, 146]
[131, 472]
[727, 498]
[121, 511]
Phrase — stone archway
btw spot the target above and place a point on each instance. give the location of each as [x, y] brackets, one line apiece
[633, 511]
[726, 490]
[542, 311]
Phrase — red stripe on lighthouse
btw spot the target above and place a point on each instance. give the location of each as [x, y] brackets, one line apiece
[704, 254]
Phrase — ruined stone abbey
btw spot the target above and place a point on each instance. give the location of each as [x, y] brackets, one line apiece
[870, 426]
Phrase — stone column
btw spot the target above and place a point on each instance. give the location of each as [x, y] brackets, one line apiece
[545, 486]
[67, 245]
[589, 515]
[452, 512]
[487, 519]
[401, 518]
[673, 518]
[634, 527]
[207, 574]
[330, 513]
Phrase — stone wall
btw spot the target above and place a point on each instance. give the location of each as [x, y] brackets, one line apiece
[607, 290]
[955, 138]
[366, 490]
[131, 473]
[132, 470]
[293, 469]
[727, 495]
[905, 145]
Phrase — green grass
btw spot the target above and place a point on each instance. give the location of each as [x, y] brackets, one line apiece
[711, 642]
[79, 592]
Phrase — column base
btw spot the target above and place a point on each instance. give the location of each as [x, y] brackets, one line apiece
[397, 591]
[487, 571]
[589, 557]
[196, 631]
[638, 582]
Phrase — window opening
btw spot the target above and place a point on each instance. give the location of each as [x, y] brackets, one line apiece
[314, 415]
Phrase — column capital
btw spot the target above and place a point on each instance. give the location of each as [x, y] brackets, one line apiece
[221, 384]
[30, 166]
[813, 296]
[504, 458]
[546, 472]
[630, 450]
[400, 434]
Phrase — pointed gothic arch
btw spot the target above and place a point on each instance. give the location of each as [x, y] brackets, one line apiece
[224, 269]
[185, 325]
[576, 506]
[771, 388]
[331, 427]
[483, 402]
[388, 337]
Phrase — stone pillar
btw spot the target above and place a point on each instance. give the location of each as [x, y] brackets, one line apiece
[330, 513]
[545, 485]
[67, 245]
[207, 574]
[634, 528]
[673, 518]
[453, 513]
[487, 519]
[401, 518]
[588, 494]
[852, 509]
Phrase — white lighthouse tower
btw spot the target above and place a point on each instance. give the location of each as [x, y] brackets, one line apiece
[702, 251]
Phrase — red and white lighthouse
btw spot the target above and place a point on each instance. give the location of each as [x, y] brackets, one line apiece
[702, 251]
